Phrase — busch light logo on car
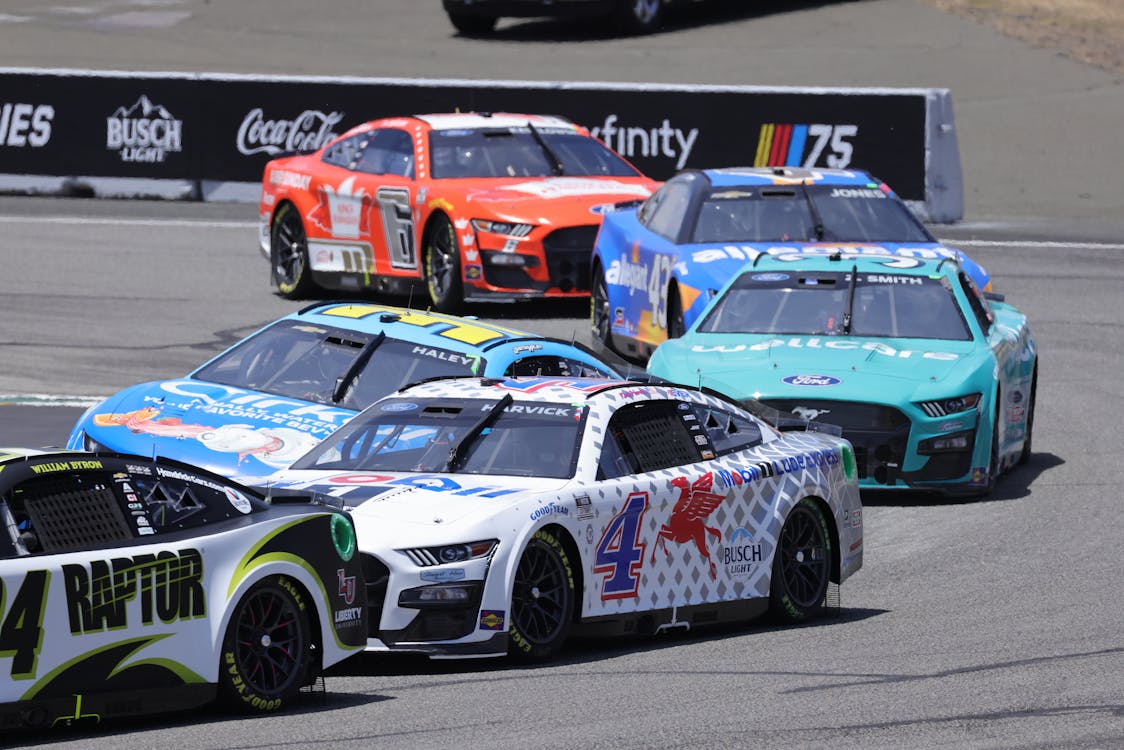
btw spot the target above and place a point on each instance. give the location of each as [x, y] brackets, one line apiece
[811, 380]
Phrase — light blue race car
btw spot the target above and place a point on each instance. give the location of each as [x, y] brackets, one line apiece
[270, 398]
[932, 381]
[656, 265]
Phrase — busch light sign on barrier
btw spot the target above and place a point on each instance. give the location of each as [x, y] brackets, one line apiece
[211, 128]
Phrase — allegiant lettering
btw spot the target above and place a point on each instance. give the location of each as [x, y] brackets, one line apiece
[168, 586]
[632, 276]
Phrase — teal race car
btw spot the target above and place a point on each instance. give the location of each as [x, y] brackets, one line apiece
[931, 380]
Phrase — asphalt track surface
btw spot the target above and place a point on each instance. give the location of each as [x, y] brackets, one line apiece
[992, 624]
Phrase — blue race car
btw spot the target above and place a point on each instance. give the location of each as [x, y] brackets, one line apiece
[270, 398]
[932, 382]
[655, 266]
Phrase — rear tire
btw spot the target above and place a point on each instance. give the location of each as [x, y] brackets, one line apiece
[639, 16]
[443, 266]
[542, 599]
[288, 254]
[268, 652]
[1027, 441]
[472, 25]
[801, 564]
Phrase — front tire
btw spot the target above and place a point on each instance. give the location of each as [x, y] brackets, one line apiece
[993, 465]
[801, 564]
[600, 316]
[675, 325]
[443, 266]
[268, 653]
[542, 599]
[288, 254]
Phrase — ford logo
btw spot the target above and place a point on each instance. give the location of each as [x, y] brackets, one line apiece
[398, 406]
[811, 380]
[769, 277]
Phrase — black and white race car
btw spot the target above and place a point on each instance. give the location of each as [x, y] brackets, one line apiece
[132, 586]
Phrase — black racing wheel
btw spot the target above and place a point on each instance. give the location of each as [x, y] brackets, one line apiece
[542, 599]
[268, 652]
[801, 565]
[443, 265]
[288, 254]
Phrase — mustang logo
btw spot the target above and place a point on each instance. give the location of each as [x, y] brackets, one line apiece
[806, 412]
[686, 522]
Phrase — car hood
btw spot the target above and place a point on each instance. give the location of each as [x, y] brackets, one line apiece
[217, 427]
[576, 200]
[424, 499]
[828, 367]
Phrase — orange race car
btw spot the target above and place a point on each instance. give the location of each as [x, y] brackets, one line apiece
[478, 206]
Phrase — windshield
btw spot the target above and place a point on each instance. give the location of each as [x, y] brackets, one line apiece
[806, 213]
[464, 436]
[521, 152]
[331, 365]
[886, 305]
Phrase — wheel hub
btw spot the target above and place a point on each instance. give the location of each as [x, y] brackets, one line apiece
[266, 641]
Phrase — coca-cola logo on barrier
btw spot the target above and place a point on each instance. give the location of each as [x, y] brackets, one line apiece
[307, 131]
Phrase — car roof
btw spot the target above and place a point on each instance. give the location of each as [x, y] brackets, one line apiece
[417, 326]
[478, 120]
[546, 389]
[732, 176]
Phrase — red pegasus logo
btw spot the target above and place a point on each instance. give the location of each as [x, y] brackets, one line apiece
[686, 522]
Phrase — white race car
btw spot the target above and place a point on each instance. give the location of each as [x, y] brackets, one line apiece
[498, 516]
[131, 586]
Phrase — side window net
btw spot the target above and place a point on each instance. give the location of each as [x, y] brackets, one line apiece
[72, 512]
[651, 436]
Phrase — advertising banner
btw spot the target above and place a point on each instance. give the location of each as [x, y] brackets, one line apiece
[204, 127]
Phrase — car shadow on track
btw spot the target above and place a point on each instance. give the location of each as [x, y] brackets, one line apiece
[682, 17]
[589, 650]
[319, 697]
[1014, 485]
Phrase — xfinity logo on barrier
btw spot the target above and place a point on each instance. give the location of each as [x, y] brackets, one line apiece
[145, 132]
[25, 124]
[307, 131]
[811, 380]
[660, 141]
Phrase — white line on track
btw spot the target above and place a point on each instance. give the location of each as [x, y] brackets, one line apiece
[42, 399]
[1015, 243]
[111, 221]
[126, 221]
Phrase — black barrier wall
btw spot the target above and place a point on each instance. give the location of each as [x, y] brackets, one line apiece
[200, 127]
